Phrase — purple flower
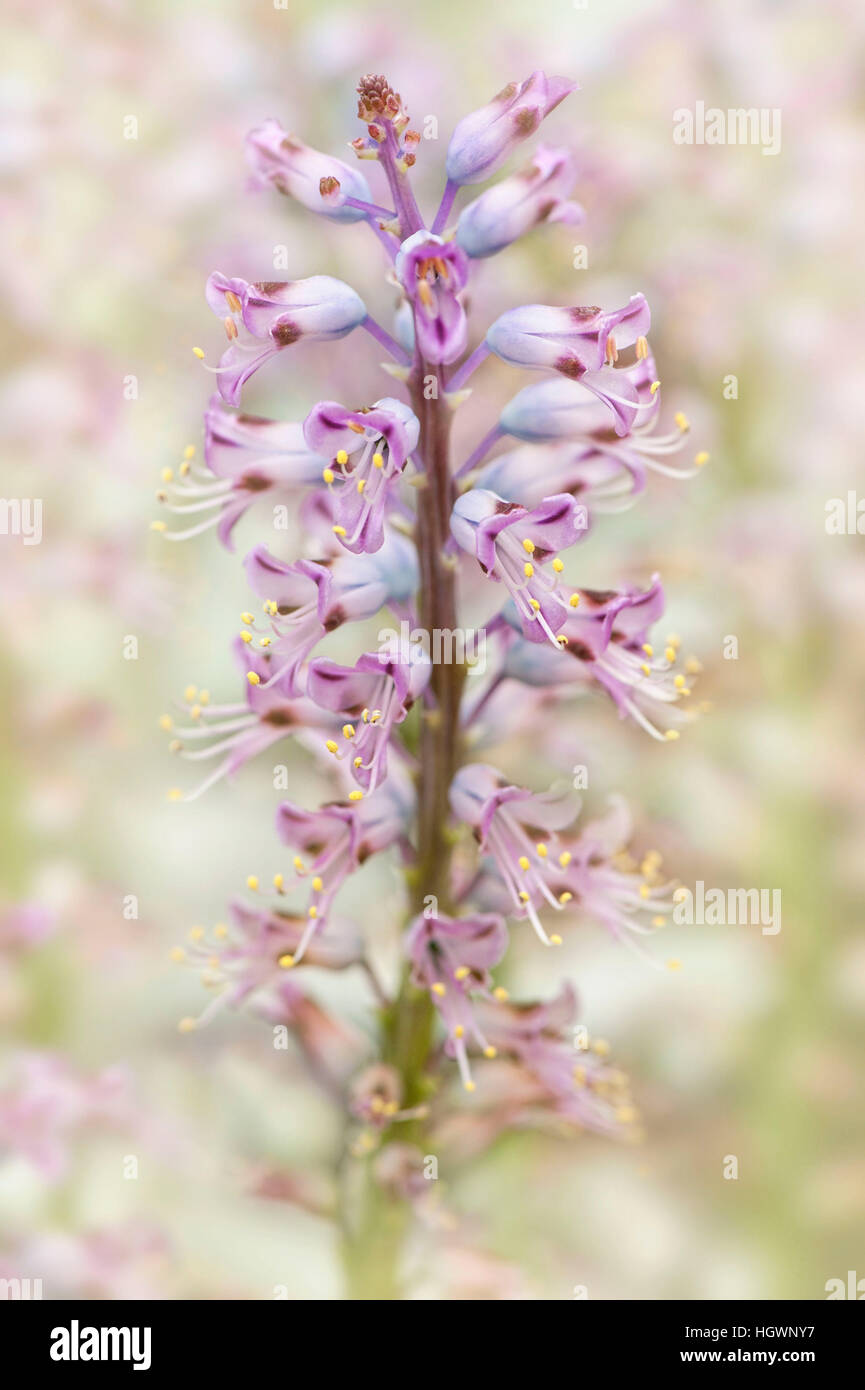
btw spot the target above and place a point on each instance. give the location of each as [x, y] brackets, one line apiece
[236, 733]
[570, 341]
[483, 140]
[250, 456]
[595, 475]
[452, 958]
[605, 641]
[331, 843]
[505, 212]
[512, 543]
[600, 401]
[309, 598]
[578, 1086]
[433, 272]
[264, 318]
[513, 826]
[253, 954]
[290, 166]
[368, 450]
[375, 694]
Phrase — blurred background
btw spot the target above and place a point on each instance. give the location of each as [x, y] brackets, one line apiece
[139, 1162]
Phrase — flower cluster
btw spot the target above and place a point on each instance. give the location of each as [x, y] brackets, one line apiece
[391, 524]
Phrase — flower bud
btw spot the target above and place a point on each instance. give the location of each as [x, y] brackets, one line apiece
[293, 168]
[505, 212]
[483, 140]
[570, 341]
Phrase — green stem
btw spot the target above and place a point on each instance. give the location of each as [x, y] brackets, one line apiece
[373, 1242]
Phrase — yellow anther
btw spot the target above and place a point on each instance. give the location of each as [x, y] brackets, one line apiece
[341, 458]
[693, 666]
[331, 746]
[361, 484]
[670, 653]
[165, 723]
[189, 451]
[671, 735]
[674, 964]
[199, 353]
[186, 1025]
[648, 649]
[462, 973]
[565, 897]
[328, 475]
[490, 1052]
[247, 618]
[157, 526]
[659, 921]
[196, 933]
[338, 530]
[533, 603]
[317, 885]
[523, 896]
[353, 425]
[562, 640]
[264, 642]
[389, 1107]
[177, 954]
[378, 461]
[558, 565]
[278, 882]
[252, 883]
[601, 1047]
[298, 864]
[655, 388]
[220, 931]
[175, 794]
[701, 459]
[286, 961]
[348, 731]
[642, 348]
[195, 712]
[312, 912]
[190, 693]
[355, 796]
[627, 1114]
[565, 858]
[674, 639]
[645, 890]
[184, 468]
[246, 637]
[468, 1086]
[681, 421]
[204, 697]
[574, 601]
[679, 682]
[233, 302]
[253, 677]
[459, 1031]
[528, 570]
[167, 475]
[270, 607]
[529, 546]
[523, 862]
[645, 668]
[579, 1075]
[555, 939]
[175, 745]
[501, 994]
[541, 849]
[357, 762]
[438, 989]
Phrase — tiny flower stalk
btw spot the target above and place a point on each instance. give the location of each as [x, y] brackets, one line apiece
[390, 524]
